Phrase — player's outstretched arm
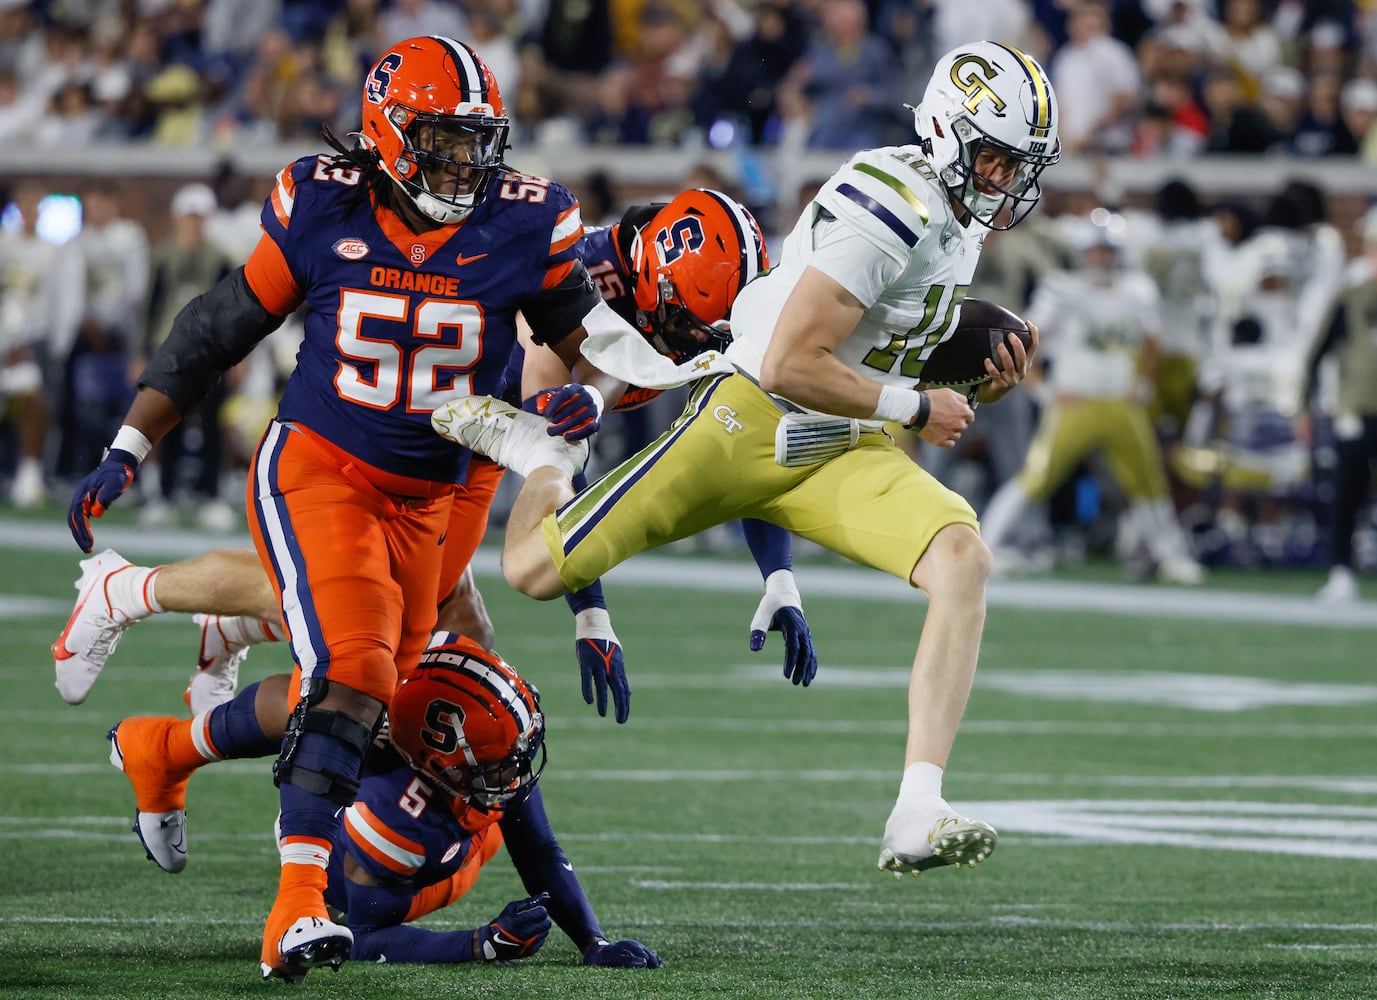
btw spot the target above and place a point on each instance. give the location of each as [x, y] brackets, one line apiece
[517, 932]
[781, 607]
[544, 868]
[212, 333]
[380, 916]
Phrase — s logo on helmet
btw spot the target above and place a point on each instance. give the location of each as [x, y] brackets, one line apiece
[681, 237]
[975, 83]
[444, 720]
[381, 77]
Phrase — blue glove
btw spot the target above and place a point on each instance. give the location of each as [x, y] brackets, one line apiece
[102, 486]
[574, 411]
[781, 610]
[600, 662]
[518, 931]
[621, 955]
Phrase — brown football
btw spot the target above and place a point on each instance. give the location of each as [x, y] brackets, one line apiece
[980, 329]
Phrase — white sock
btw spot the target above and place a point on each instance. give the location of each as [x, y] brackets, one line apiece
[528, 446]
[246, 630]
[1159, 529]
[29, 468]
[132, 591]
[921, 780]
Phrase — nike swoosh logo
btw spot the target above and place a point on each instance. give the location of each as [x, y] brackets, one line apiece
[442, 538]
[461, 260]
[59, 648]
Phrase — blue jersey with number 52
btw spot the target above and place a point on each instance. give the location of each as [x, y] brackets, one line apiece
[396, 322]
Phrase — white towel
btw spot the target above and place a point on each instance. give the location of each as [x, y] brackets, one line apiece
[619, 349]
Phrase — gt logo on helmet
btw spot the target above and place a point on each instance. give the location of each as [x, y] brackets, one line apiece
[975, 84]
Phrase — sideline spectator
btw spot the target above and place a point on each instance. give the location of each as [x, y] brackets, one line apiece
[114, 250]
[186, 266]
[1097, 83]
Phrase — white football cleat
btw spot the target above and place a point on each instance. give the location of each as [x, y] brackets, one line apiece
[93, 630]
[507, 434]
[217, 667]
[309, 942]
[929, 834]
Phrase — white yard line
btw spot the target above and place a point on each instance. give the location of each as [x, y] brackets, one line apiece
[649, 570]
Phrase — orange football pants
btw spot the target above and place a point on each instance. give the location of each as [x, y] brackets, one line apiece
[468, 520]
[354, 554]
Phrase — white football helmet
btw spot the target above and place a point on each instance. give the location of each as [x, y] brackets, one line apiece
[989, 96]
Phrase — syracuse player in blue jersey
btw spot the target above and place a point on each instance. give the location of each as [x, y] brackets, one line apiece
[454, 779]
[412, 256]
[459, 780]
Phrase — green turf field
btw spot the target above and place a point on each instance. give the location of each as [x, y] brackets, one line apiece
[1187, 807]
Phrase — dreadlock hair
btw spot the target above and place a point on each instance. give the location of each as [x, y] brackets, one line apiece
[362, 159]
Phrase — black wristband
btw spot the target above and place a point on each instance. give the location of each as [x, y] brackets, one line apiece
[920, 419]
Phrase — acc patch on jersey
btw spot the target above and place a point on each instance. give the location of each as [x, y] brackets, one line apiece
[350, 249]
[960, 359]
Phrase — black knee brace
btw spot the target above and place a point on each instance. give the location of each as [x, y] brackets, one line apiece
[338, 788]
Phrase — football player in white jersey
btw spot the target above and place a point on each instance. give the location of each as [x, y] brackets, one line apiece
[787, 426]
[1180, 247]
[1100, 380]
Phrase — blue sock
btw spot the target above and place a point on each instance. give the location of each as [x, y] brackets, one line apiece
[234, 728]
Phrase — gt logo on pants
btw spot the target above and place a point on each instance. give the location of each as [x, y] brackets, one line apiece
[726, 416]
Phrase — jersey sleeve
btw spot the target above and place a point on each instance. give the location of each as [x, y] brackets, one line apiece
[565, 234]
[271, 278]
[379, 847]
[280, 205]
[880, 200]
[852, 260]
[276, 274]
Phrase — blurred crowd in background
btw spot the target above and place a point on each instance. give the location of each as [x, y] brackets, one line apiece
[1262, 389]
[1135, 77]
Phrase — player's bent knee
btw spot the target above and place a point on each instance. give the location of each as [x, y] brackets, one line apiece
[956, 559]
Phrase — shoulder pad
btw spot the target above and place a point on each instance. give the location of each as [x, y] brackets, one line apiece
[532, 204]
[278, 208]
[885, 197]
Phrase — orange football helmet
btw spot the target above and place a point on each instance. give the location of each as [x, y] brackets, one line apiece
[689, 262]
[433, 113]
[466, 720]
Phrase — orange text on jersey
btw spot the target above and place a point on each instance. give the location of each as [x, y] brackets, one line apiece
[412, 281]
